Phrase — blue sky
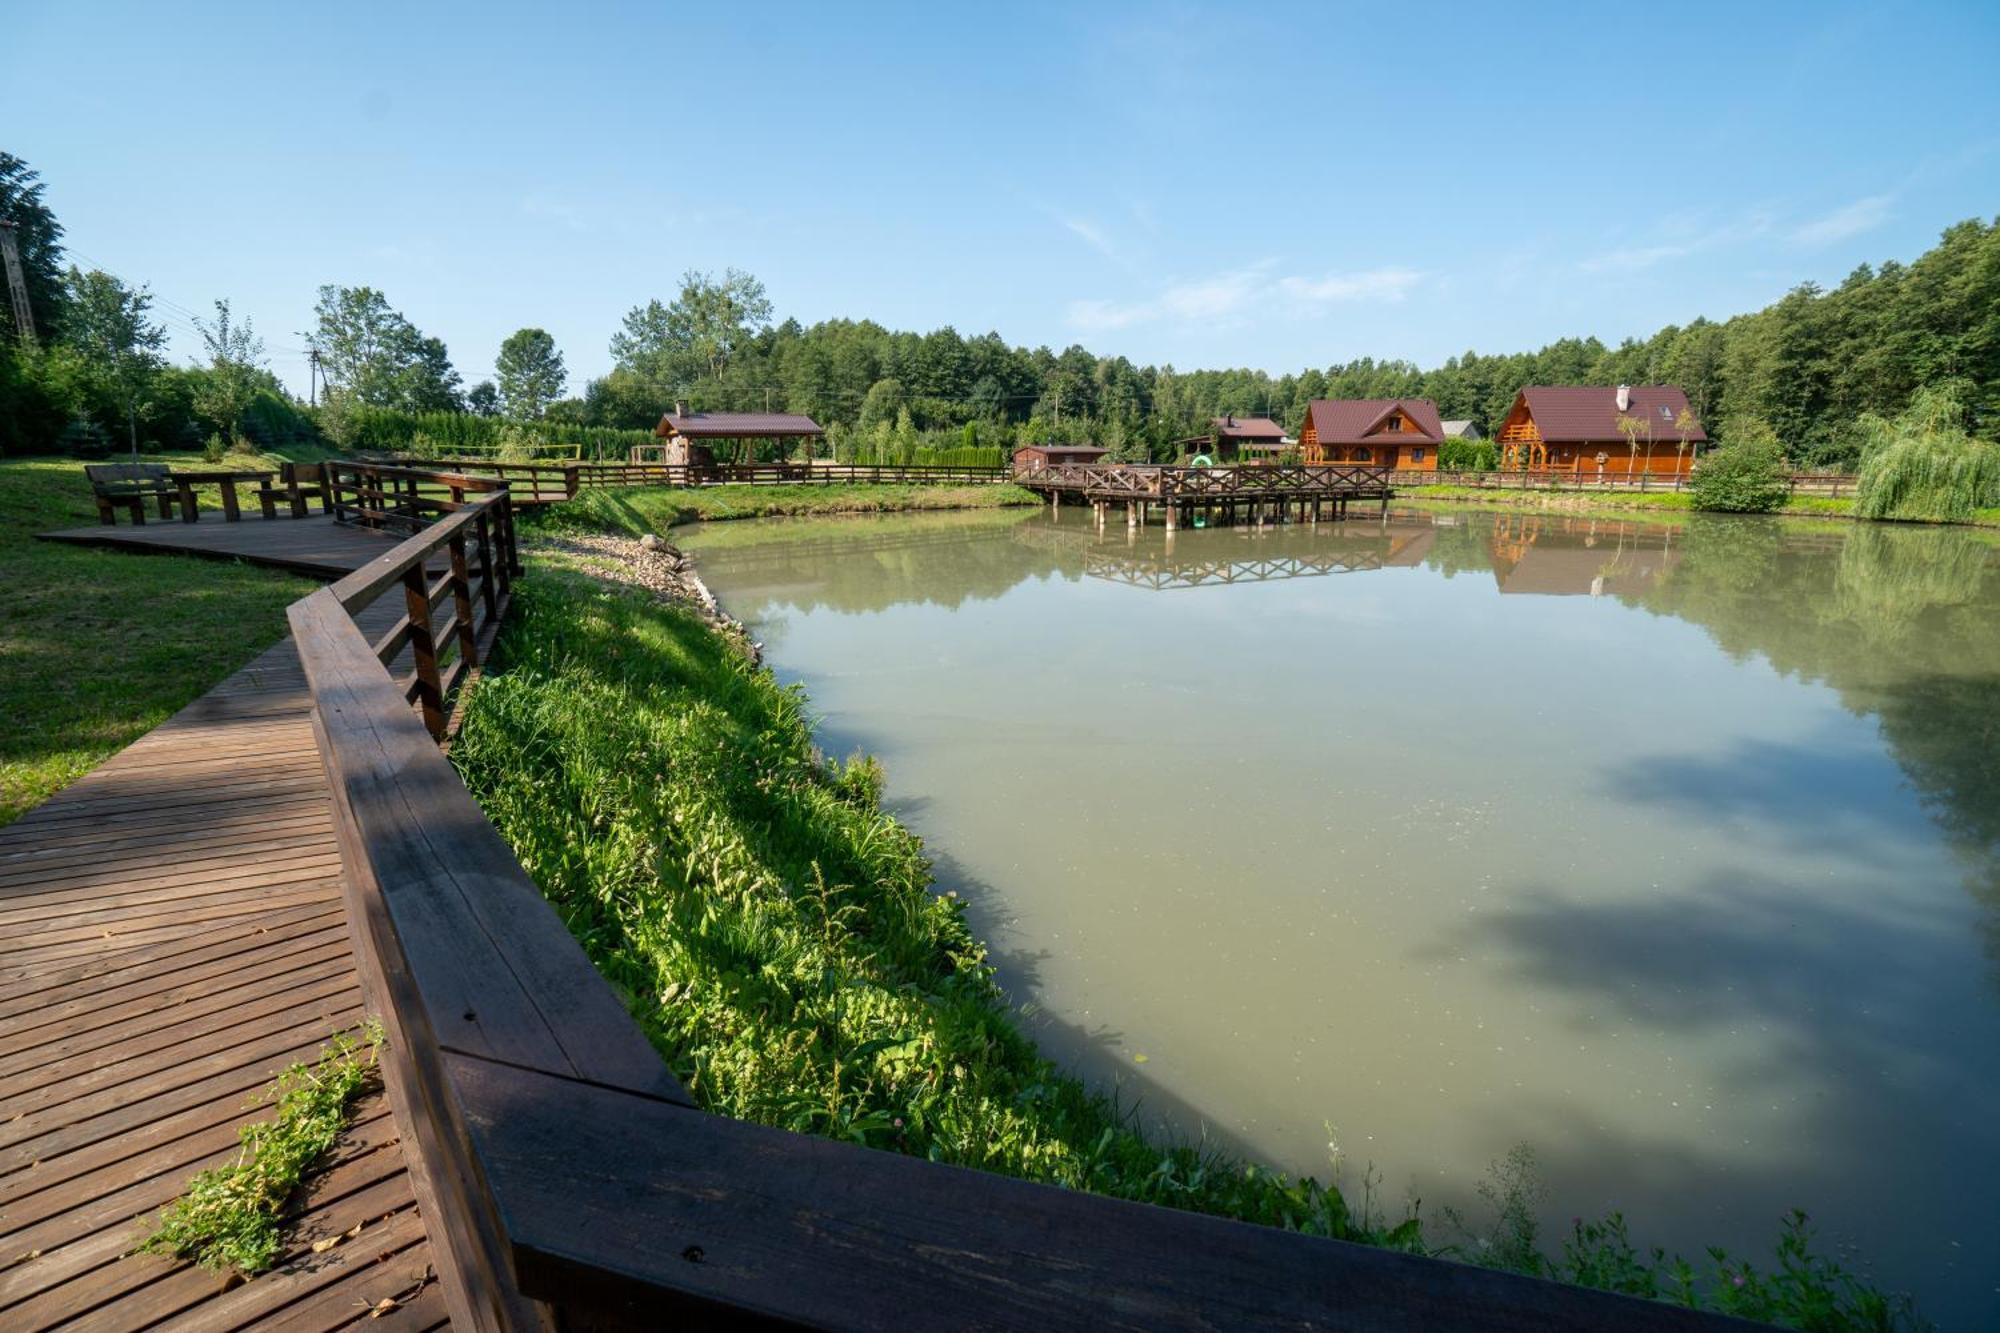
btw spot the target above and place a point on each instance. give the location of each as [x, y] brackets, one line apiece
[1276, 186]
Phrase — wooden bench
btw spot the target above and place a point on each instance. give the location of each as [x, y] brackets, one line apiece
[131, 485]
[297, 483]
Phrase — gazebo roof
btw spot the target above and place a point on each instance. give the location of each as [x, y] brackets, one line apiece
[737, 425]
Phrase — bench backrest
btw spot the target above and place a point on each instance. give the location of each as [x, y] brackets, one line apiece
[128, 476]
[304, 474]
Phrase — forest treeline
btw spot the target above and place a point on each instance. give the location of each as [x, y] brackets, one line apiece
[1805, 370]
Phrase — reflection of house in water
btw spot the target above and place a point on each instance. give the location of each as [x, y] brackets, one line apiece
[1559, 556]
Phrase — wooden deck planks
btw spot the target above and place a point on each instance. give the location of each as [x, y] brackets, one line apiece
[172, 934]
[314, 545]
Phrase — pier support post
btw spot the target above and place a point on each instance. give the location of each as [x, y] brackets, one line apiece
[1172, 512]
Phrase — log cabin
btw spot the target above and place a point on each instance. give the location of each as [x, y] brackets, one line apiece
[1577, 428]
[1236, 436]
[1035, 457]
[1399, 433]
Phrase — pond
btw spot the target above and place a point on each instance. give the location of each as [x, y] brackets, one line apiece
[1669, 850]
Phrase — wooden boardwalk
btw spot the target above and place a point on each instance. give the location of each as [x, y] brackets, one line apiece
[171, 936]
[313, 545]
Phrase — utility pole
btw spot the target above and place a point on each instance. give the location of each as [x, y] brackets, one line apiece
[17, 286]
[312, 374]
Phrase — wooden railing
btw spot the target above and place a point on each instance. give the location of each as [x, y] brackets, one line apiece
[1155, 482]
[547, 483]
[565, 1177]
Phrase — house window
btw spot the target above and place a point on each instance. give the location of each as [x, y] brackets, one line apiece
[1416, 455]
[1363, 456]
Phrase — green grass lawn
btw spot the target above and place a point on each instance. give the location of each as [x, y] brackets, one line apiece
[657, 508]
[98, 647]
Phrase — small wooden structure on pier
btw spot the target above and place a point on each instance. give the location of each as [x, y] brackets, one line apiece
[1295, 492]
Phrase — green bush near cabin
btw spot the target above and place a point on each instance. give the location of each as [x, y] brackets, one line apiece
[779, 937]
[1745, 476]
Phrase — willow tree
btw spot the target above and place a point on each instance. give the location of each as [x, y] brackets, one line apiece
[1924, 463]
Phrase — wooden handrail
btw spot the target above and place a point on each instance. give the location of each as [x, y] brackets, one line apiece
[566, 1178]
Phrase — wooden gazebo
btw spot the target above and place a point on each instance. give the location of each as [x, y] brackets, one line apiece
[690, 437]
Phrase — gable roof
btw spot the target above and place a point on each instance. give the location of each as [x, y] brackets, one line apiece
[1247, 428]
[1351, 420]
[1459, 429]
[1588, 414]
[737, 425]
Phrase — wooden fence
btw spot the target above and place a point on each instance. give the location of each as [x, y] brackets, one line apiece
[1833, 484]
[565, 1176]
[546, 483]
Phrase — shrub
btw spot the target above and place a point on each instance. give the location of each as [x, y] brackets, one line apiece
[214, 449]
[1468, 456]
[1924, 464]
[1745, 476]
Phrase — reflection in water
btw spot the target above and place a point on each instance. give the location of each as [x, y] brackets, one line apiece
[1671, 849]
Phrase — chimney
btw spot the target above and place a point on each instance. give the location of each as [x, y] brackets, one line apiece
[1624, 398]
[681, 407]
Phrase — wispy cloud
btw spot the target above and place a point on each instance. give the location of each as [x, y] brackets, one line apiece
[1232, 296]
[1091, 234]
[1678, 239]
[1378, 284]
[1686, 237]
[1847, 220]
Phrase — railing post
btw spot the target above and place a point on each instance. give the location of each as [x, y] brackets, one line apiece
[430, 691]
[461, 600]
[487, 572]
[569, 481]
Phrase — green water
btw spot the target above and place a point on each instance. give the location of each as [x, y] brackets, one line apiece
[1670, 850]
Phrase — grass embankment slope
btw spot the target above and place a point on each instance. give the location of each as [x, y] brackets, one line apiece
[99, 647]
[640, 510]
[779, 937]
[1583, 501]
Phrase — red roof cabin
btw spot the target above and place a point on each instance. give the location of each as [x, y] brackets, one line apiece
[1401, 433]
[1232, 436]
[1602, 430]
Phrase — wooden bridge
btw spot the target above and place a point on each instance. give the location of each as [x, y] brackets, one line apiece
[294, 851]
[1302, 492]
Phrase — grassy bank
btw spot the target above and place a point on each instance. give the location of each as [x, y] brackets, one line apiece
[1585, 501]
[655, 509]
[779, 937]
[99, 647]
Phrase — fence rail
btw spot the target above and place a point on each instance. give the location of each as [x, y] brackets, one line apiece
[1833, 484]
[564, 1175]
[547, 483]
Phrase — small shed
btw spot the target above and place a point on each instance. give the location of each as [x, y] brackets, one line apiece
[1462, 430]
[692, 436]
[1035, 457]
